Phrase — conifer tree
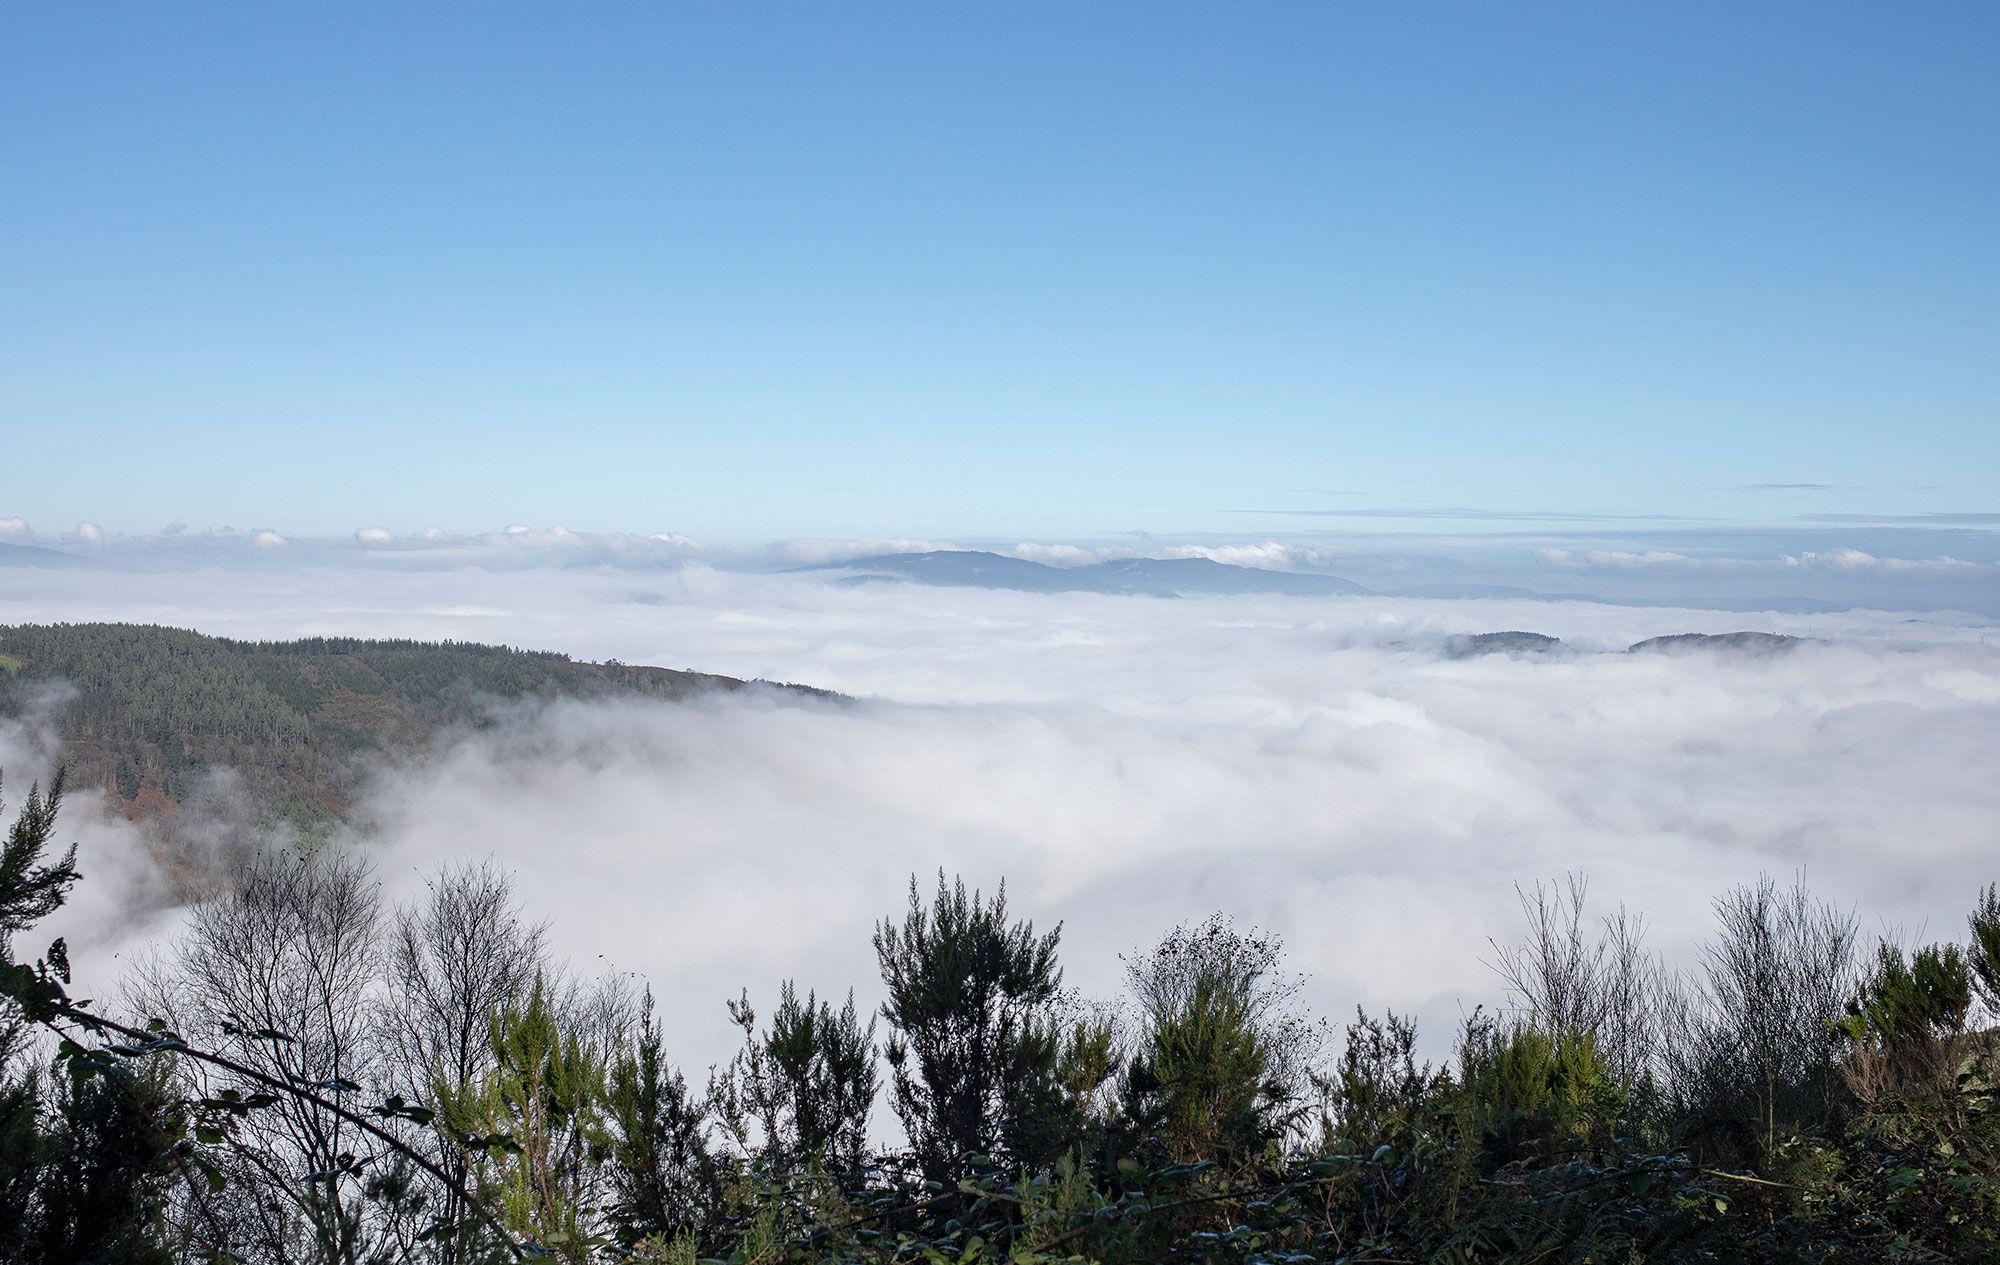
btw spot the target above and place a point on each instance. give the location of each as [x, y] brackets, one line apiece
[974, 1041]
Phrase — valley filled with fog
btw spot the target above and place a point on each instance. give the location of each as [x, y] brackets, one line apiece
[1322, 768]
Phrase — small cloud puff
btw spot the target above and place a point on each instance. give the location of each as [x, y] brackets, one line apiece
[375, 536]
[15, 529]
[1268, 555]
[520, 534]
[1056, 555]
[89, 533]
[268, 539]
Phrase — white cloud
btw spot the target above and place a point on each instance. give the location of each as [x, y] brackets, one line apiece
[1856, 560]
[268, 540]
[1058, 555]
[374, 536]
[15, 529]
[521, 536]
[1270, 555]
[89, 533]
[1267, 555]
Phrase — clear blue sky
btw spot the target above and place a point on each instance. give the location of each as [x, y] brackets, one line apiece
[753, 270]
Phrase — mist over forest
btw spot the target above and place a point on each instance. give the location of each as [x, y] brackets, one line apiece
[1425, 847]
[1325, 768]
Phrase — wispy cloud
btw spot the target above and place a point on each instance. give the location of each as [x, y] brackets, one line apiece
[1978, 519]
[1473, 514]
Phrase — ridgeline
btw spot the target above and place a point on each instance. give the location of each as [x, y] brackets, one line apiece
[143, 711]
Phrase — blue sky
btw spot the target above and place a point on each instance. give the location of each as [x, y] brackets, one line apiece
[752, 271]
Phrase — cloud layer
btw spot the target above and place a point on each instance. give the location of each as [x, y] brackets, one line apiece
[1313, 766]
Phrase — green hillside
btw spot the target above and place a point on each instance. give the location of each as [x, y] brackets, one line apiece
[155, 707]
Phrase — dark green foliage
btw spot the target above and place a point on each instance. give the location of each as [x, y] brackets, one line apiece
[20, 1160]
[1905, 1030]
[974, 1040]
[30, 888]
[1983, 958]
[105, 1164]
[807, 1084]
[1535, 1095]
[666, 1178]
[1377, 1095]
[1223, 1057]
[1910, 999]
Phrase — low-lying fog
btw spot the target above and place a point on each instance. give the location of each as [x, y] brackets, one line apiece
[1316, 767]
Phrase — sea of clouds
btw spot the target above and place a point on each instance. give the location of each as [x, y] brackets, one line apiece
[1316, 767]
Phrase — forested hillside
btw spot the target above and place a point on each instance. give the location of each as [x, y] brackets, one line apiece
[149, 709]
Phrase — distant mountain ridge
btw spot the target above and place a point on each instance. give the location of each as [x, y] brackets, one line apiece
[298, 721]
[1188, 577]
[36, 556]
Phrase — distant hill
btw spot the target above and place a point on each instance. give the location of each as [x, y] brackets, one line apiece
[1517, 644]
[1755, 643]
[152, 708]
[1468, 646]
[1152, 577]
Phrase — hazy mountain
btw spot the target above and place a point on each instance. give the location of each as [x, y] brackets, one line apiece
[143, 710]
[1156, 577]
[36, 556]
[962, 569]
[1174, 577]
